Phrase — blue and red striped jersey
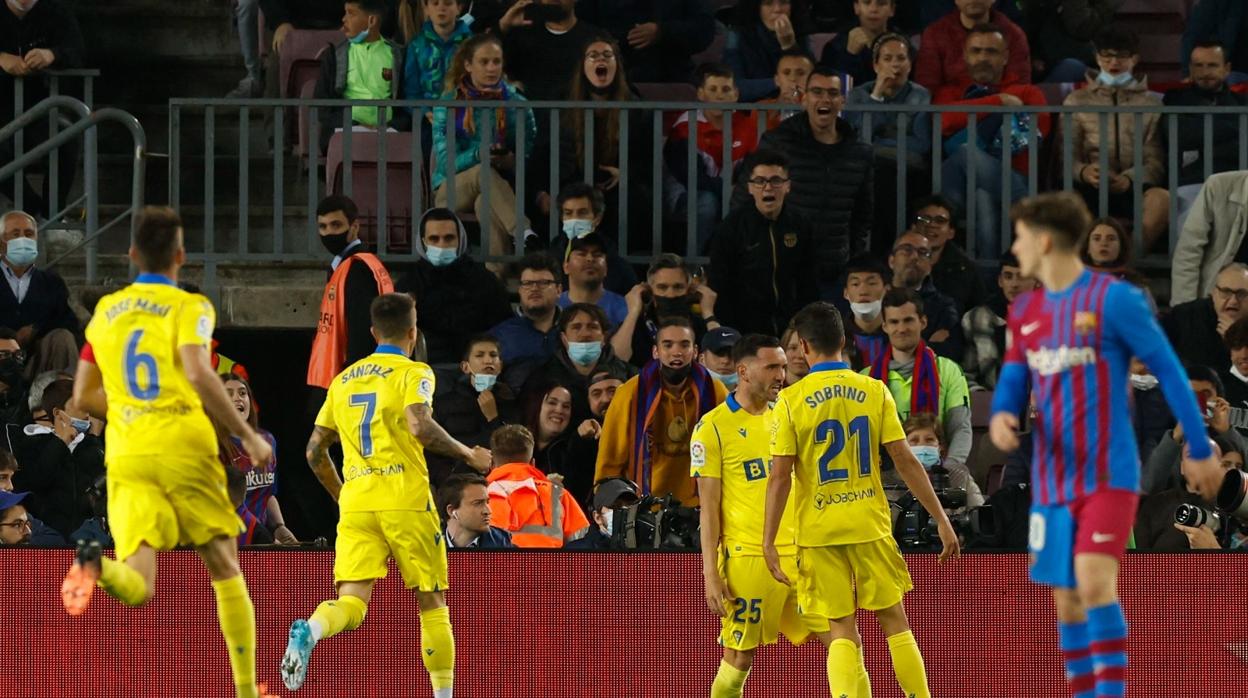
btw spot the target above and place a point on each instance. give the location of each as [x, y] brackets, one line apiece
[261, 484]
[1075, 347]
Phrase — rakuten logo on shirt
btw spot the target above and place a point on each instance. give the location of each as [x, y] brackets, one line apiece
[1047, 361]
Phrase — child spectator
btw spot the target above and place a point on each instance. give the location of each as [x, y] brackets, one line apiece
[764, 31]
[431, 51]
[477, 74]
[923, 434]
[794, 67]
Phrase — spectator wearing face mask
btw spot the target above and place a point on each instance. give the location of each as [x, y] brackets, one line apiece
[1150, 416]
[609, 496]
[669, 291]
[34, 301]
[866, 281]
[456, 296]
[923, 434]
[471, 402]
[465, 504]
[582, 211]
[716, 355]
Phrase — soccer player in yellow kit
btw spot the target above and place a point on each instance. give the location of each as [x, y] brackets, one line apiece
[147, 369]
[381, 408]
[729, 457]
[828, 428]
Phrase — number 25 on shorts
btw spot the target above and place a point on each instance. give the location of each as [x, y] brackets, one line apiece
[832, 431]
[747, 610]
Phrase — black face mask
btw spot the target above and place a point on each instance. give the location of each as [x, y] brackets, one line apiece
[675, 376]
[673, 306]
[335, 243]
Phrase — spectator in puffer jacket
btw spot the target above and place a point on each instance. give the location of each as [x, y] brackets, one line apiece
[430, 52]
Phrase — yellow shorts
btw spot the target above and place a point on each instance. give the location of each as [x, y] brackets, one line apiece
[761, 607]
[835, 580]
[367, 539]
[167, 501]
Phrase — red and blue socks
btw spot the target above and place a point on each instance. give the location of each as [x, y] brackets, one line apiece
[1077, 653]
[1107, 630]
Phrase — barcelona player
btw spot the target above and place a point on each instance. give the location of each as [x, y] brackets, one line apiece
[827, 430]
[1071, 343]
[381, 409]
[729, 457]
[147, 368]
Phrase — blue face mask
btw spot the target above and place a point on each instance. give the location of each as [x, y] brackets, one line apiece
[584, 353]
[359, 38]
[483, 381]
[22, 251]
[929, 456]
[81, 426]
[441, 256]
[1118, 80]
[729, 380]
[577, 228]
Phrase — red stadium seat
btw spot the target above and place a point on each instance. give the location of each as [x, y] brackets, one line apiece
[365, 150]
[819, 41]
[300, 60]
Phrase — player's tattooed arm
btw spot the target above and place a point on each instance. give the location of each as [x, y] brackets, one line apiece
[322, 465]
[434, 438]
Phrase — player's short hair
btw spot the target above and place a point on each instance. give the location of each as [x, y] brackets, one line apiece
[391, 314]
[451, 493]
[568, 314]
[674, 321]
[1062, 214]
[56, 395]
[1236, 336]
[923, 420]
[8, 464]
[581, 190]
[897, 297]
[747, 347]
[667, 260]
[1196, 372]
[156, 239]
[338, 202]
[476, 339]
[512, 443]
[819, 325]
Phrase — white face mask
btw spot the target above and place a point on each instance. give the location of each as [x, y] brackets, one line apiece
[1235, 372]
[608, 522]
[867, 311]
[1143, 382]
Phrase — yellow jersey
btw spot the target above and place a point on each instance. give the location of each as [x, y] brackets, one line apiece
[733, 445]
[134, 337]
[834, 421]
[384, 466]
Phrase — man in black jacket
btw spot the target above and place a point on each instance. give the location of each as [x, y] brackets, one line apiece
[35, 302]
[911, 263]
[471, 402]
[456, 296]
[953, 270]
[1195, 328]
[1209, 69]
[539, 53]
[762, 262]
[832, 174]
[658, 37]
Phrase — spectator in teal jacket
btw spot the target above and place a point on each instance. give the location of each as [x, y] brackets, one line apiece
[477, 74]
[431, 50]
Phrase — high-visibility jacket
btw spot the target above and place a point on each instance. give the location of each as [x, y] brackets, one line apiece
[329, 348]
[539, 512]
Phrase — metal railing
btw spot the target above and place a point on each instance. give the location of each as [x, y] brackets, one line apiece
[55, 79]
[85, 126]
[309, 186]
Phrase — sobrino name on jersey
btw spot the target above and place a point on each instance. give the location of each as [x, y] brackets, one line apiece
[840, 392]
[364, 370]
[1047, 361]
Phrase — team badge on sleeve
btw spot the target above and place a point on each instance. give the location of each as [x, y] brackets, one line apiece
[697, 454]
[425, 389]
[203, 328]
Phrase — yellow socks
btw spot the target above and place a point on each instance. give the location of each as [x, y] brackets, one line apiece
[844, 658]
[122, 582]
[729, 682]
[437, 649]
[336, 615]
[864, 681]
[238, 626]
[908, 665]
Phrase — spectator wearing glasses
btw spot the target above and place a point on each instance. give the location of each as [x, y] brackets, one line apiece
[534, 333]
[953, 270]
[1196, 328]
[762, 264]
[911, 263]
[41, 533]
[1115, 84]
[1213, 236]
[13, 385]
[15, 526]
[34, 301]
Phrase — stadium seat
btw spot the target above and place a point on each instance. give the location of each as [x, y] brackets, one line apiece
[819, 41]
[301, 57]
[365, 150]
[304, 120]
[981, 408]
[667, 92]
[715, 52]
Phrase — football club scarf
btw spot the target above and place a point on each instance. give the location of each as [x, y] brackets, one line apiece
[925, 383]
[649, 394]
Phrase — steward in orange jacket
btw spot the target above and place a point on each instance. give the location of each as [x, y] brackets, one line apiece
[537, 510]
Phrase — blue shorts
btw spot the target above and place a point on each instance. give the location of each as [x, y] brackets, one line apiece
[1099, 523]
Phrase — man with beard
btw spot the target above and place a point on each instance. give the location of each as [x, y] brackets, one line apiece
[941, 62]
[984, 326]
[646, 434]
[541, 38]
[669, 291]
[1209, 68]
[534, 333]
[911, 262]
[356, 277]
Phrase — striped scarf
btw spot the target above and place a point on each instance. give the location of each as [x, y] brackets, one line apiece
[466, 119]
[925, 384]
[649, 395]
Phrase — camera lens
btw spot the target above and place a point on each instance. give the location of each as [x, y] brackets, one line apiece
[1194, 516]
[1231, 496]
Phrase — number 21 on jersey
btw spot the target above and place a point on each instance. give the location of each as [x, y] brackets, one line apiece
[836, 436]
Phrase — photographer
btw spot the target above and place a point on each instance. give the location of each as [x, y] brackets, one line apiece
[1156, 525]
[611, 495]
[923, 434]
[1161, 470]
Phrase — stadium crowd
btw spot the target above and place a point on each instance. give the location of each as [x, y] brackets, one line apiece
[588, 391]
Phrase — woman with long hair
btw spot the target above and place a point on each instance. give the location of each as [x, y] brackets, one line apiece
[261, 498]
[476, 73]
[549, 418]
[1107, 246]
